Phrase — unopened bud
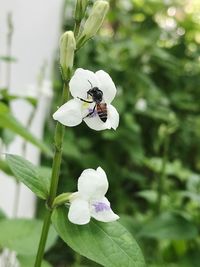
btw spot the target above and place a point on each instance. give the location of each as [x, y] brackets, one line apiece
[80, 9]
[67, 48]
[94, 21]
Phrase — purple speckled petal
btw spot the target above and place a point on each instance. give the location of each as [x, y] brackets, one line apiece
[100, 206]
[101, 210]
[93, 112]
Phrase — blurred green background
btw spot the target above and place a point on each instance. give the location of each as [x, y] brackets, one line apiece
[151, 50]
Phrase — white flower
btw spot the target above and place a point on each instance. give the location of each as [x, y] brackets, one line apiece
[141, 104]
[90, 200]
[77, 109]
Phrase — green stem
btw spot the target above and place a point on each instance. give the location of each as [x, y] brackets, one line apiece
[161, 177]
[77, 28]
[78, 259]
[43, 239]
[9, 46]
[58, 139]
[16, 198]
[59, 135]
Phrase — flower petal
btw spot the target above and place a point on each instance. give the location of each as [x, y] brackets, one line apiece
[96, 123]
[70, 113]
[113, 116]
[80, 83]
[79, 212]
[101, 210]
[106, 85]
[101, 173]
[92, 183]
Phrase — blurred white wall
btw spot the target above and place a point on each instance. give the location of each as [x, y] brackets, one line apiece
[35, 39]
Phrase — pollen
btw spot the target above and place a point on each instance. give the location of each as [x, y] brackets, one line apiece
[85, 105]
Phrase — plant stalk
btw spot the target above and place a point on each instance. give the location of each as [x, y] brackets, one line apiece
[77, 28]
[43, 239]
[8, 52]
[161, 177]
[58, 139]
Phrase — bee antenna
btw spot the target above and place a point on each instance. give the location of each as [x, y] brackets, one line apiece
[90, 84]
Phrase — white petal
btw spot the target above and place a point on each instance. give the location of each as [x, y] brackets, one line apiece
[101, 210]
[70, 113]
[96, 123]
[101, 173]
[79, 211]
[92, 183]
[87, 108]
[106, 85]
[80, 83]
[113, 116]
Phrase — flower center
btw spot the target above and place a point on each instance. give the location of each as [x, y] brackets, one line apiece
[92, 112]
[88, 109]
[100, 206]
[85, 105]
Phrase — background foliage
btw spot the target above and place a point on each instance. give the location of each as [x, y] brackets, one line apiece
[151, 50]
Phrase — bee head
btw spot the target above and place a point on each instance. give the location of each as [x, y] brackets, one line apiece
[96, 94]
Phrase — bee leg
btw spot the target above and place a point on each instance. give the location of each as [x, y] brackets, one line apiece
[85, 100]
[90, 113]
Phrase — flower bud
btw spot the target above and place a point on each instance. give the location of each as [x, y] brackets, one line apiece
[94, 21]
[67, 48]
[80, 9]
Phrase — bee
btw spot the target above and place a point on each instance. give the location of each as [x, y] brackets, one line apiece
[97, 98]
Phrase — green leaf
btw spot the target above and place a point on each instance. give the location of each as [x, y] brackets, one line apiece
[8, 59]
[149, 195]
[22, 235]
[29, 174]
[108, 244]
[170, 226]
[172, 168]
[7, 136]
[192, 196]
[2, 214]
[45, 176]
[132, 224]
[5, 95]
[9, 122]
[4, 167]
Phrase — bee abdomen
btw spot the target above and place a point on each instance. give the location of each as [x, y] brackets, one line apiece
[103, 117]
[102, 111]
